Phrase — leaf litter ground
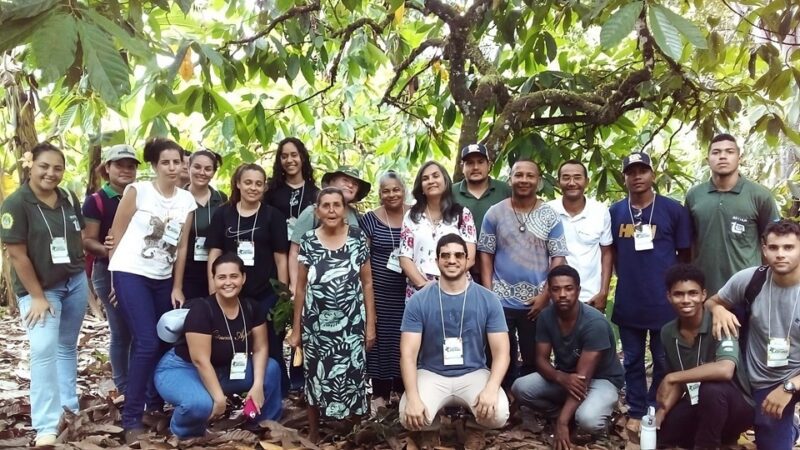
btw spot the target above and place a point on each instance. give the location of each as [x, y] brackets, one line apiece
[97, 425]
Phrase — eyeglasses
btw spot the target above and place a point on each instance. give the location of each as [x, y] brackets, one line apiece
[448, 255]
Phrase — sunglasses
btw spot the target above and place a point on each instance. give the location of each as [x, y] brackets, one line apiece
[448, 255]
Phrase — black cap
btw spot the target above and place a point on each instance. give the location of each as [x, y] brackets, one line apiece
[473, 149]
[636, 158]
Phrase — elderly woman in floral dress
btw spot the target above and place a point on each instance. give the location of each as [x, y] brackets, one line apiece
[337, 316]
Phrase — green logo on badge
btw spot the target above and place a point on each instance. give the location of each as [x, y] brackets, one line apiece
[7, 221]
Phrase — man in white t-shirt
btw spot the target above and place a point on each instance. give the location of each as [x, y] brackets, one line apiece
[587, 229]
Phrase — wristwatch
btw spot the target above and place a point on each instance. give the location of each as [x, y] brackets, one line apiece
[789, 387]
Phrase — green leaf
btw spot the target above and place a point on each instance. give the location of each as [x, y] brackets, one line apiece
[128, 42]
[292, 67]
[305, 111]
[16, 32]
[550, 43]
[691, 31]
[172, 70]
[54, 45]
[620, 24]
[23, 9]
[108, 73]
[185, 5]
[308, 71]
[665, 34]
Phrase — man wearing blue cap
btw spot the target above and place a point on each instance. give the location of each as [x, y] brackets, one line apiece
[651, 233]
[477, 191]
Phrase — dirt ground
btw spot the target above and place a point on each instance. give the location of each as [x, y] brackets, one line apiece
[98, 423]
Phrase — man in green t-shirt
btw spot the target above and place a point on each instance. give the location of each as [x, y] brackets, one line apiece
[729, 213]
[704, 401]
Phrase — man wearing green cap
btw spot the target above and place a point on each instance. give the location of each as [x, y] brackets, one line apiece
[346, 178]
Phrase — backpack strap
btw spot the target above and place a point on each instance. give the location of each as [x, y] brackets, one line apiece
[99, 203]
[754, 286]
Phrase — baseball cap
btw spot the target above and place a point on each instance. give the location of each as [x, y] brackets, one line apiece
[170, 325]
[352, 172]
[474, 149]
[120, 151]
[636, 158]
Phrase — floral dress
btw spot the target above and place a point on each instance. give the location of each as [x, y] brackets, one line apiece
[333, 325]
[418, 241]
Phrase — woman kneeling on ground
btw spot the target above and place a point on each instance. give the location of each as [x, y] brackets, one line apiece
[224, 353]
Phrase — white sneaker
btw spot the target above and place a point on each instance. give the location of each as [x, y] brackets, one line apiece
[46, 439]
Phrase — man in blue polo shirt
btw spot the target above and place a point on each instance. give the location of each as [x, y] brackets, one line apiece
[651, 233]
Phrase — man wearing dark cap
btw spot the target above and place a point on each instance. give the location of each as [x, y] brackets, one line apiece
[651, 233]
[477, 191]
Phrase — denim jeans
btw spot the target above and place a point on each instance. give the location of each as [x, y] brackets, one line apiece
[120, 348]
[774, 434]
[54, 352]
[179, 383]
[719, 417]
[142, 301]
[634, 343]
[592, 416]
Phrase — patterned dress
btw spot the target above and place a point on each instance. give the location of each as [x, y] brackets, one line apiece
[383, 361]
[333, 325]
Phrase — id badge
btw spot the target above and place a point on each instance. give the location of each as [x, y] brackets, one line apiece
[643, 238]
[290, 222]
[247, 252]
[172, 233]
[777, 352]
[200, 250]
[238, 366]
[694, 392]
[453, 352]
[76, 223]
[58, 251]
[393, 263]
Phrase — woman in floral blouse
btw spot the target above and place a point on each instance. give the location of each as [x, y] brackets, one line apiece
[434, 215]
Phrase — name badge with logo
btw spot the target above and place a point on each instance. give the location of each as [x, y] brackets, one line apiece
[694, 392]
[200, 250]
[172, 233]
[238, 366]
[737, 228]
[643, 238]
[393, 263]
[453, 350]
[58, 251]
[778, 352]
[247, 251]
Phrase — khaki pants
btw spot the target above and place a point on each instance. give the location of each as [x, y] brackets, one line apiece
[437, 391]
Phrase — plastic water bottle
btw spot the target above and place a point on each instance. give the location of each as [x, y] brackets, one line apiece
[647, 437]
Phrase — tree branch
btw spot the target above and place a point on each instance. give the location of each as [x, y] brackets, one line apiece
[292, 12]
[407, 62]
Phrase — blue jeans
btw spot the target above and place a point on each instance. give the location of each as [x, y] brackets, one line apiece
[634, 343]
[54, 352]
[774, 434]
[179, 383]
[120, 348]
[142, 301]
[592, 416]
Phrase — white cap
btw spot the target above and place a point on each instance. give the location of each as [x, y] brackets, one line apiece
[170, 325]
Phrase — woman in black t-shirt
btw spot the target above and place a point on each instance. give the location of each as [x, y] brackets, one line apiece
[291, 188]
[224, 353]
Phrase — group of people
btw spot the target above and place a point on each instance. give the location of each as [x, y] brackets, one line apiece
[478, 294]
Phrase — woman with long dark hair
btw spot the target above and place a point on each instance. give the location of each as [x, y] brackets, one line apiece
[149, 240]
[291, 188]
[434, 215]
[203, 164]
[40, 225]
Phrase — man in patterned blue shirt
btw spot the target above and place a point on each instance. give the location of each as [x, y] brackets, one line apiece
[521, 239]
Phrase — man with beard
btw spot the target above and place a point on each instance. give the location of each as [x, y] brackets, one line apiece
[521, 240]
[729, 213]
[585, 380]
[445, 328]
[587, 229]
[651, 233]
[772, 355]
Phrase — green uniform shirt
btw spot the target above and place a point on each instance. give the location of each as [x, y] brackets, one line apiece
[22, 223]
[495, 193]
[684, 356]
[728, 227]
[308, 221]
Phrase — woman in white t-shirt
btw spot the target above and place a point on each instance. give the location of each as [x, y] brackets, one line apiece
[435, 214]
[148, 238]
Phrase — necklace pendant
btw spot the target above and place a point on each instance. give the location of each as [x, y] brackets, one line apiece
[522, 228]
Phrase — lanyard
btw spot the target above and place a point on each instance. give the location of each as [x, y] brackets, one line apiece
[299, 201]
[652, 206]
[239, 223]
[463, 304]
[244, 324]
[208, 207]
[678, 351]
[769, 311]
[63, 216]
[389, 226]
